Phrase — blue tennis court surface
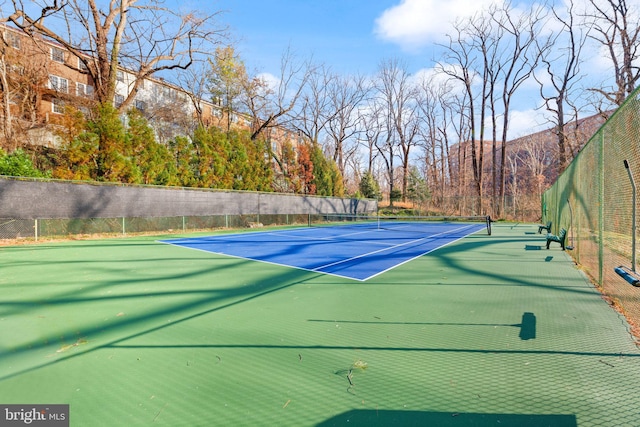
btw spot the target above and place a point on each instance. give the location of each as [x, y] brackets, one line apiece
[354, 252]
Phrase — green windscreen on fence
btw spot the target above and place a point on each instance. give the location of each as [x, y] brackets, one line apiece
[593, 200]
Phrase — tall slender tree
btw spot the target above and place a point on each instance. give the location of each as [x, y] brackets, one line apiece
[561, 58]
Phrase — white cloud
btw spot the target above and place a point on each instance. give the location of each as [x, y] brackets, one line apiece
[272, 81]
[526, 122]
[413, 24]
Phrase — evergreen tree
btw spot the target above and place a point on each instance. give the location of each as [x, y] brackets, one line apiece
[77, 157]
[327, 177]
[211, 155]
[18, 163]
[112, 165]
[184, 161]
[151, 159]
[417, 188]
[369, 187]
[238, 162]
[256, 171]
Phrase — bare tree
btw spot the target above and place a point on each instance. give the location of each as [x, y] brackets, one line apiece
[434, 105]
[514, 181]
[311, 114]
[6, 87]
[528, 164]
[281, 99]
[461, 123]
[561, 67]
[396, 90]
[461, 65]
[194, 82]
[371, 121]
[616, 27]
[23, 75]
[143, 38]
[346, 95]
[520, 57]
[486, 36]
[533, 155]
[386, 146]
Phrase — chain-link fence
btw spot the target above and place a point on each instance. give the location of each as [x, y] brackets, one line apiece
[37, 229]
[593, 200]
[524, 207]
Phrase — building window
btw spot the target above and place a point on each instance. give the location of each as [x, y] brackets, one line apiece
[83, 89]
[57, 55]
[120, 76]
[57, 106]
[58, 84]
[118, 100]
[13, 40]
[82, 66]
[140, 105]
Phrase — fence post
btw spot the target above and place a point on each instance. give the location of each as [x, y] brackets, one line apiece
[601, 211]
[124, 231]
[35, 229]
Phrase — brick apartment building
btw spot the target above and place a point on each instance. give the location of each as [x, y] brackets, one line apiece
[43, 78]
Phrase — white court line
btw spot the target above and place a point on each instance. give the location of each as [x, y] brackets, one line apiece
[317, 269]
[418, 256]
[431, 237]
[263, 261]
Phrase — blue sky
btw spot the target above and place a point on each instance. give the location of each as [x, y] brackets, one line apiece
[350, 36]
[354, 36]
[339, 33]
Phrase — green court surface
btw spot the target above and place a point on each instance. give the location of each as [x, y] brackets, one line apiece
[490, 330]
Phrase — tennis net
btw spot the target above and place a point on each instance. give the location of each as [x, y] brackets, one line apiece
[400, 223]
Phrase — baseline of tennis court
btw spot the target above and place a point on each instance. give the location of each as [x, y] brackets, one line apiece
[357, 252]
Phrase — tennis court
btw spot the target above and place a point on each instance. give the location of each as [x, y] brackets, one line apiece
[352, 249]
[485, 330]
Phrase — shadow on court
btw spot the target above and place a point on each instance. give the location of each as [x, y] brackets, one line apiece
[527, 327]
[480, 332]
[446, 419]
